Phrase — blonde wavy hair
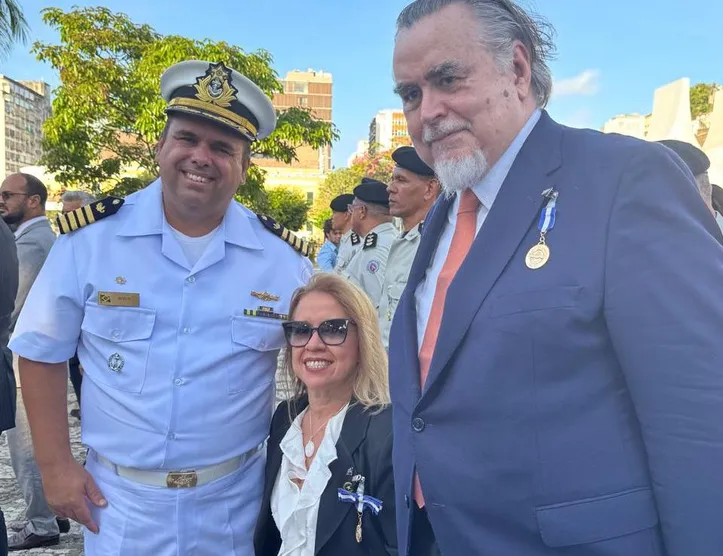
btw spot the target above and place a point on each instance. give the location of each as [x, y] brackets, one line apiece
[371, 387]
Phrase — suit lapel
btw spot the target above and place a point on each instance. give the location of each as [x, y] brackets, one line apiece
[515, 209]
[331, 511]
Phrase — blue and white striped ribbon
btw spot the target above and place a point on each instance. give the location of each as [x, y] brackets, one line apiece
[547, 216]
[360, 500]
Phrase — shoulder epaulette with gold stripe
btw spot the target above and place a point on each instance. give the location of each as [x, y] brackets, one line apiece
[87, 214]
[284, 233]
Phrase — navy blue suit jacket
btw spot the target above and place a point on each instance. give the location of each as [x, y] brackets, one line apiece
[576, 409]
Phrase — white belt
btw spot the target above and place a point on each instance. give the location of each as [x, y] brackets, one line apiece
[180, 479]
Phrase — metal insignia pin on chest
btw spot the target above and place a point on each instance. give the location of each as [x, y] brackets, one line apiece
[116, 362]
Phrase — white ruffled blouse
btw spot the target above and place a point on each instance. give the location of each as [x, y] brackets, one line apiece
[295, 510]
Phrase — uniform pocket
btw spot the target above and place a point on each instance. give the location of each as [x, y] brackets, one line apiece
[255, 342]
[118, 340]
[597, 519]
[538, 300]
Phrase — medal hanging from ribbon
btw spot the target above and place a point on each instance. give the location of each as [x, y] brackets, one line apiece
[538, 256]
[361, 502]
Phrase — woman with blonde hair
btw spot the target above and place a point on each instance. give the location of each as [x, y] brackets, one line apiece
[329, 488]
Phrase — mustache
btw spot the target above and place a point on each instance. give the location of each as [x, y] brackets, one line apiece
[439, 130]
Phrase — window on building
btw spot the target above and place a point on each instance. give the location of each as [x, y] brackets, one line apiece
[310, 197]
[303, 101]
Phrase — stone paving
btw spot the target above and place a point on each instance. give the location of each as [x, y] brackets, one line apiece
[13, 505]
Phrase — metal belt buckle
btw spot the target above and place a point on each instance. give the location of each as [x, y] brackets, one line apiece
[183, 479]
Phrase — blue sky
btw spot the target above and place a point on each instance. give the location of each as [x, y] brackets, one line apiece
[611, 55]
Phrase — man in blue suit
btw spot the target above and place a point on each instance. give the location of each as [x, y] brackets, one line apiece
[556, 364]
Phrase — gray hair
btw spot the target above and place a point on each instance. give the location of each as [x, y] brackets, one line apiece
[77, 196]
[374, 208]
[504, 23]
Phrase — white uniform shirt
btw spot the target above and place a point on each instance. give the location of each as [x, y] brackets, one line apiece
[349, 245]
[296, 510]
[486, 192]
[184, 379]
[367, 268]
[399, 262]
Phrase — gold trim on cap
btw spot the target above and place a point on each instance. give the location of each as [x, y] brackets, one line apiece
[204, 107]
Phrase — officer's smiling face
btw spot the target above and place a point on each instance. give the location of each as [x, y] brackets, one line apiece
[201, 167]
[327, 370]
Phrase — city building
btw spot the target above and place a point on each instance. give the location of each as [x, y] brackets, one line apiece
[362, 148]
[24, 107]
[388, 130]
[634, 125]
[313, 90]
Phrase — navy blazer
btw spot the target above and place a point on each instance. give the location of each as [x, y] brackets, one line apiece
[364, 447]
[575, 409]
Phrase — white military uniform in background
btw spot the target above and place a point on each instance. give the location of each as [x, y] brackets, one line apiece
[179, 363]
[367, 268]
[349, 245]
[399, 262]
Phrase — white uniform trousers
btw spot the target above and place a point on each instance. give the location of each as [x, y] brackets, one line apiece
[214, 519]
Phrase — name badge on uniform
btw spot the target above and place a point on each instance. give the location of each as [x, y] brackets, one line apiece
[119, 299]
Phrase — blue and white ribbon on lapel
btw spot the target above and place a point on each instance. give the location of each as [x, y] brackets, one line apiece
[547, 216]
[360, 500]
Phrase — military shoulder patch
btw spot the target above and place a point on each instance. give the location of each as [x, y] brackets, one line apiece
[289, 237]
[370, 240]
[87, 214]
[355, 239]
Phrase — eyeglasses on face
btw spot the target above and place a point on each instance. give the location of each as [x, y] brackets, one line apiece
[5, 195]
[332, 332]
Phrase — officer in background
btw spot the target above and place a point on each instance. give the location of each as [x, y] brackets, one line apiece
[175, 307]
[412, 192]
[350, 242]
[371, 220]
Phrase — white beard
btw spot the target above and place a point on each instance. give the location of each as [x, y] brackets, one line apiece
[457, 174]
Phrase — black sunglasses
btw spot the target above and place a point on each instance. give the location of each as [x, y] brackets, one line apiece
[332, 332]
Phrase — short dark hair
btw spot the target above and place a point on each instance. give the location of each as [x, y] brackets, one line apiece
[33, 186]
[327, 226]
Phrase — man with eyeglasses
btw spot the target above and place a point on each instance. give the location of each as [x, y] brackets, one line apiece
[22, 207]
[370, 219]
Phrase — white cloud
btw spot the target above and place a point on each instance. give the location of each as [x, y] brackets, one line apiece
[585, 83]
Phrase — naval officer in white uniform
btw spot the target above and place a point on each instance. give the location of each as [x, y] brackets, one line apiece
[174, 300]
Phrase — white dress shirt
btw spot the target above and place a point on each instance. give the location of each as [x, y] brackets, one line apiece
[486, 192]
[295, 510]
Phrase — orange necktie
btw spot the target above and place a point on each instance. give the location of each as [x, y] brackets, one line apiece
[464, 233]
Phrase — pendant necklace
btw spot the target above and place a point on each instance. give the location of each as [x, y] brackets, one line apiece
[310, 447]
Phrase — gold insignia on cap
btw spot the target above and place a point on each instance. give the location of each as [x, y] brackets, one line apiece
[215, 87]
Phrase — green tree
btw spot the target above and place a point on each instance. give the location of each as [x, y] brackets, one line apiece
[108, 113]
[13, 27]
[287, 206]
[377, 165]
[700, 96]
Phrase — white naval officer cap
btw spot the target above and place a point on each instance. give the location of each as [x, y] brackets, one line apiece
[220, 94]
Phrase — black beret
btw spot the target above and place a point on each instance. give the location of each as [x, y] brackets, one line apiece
[372, 191]
[407, 158]
[718, 199]
[695, 159]
[342, 202]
